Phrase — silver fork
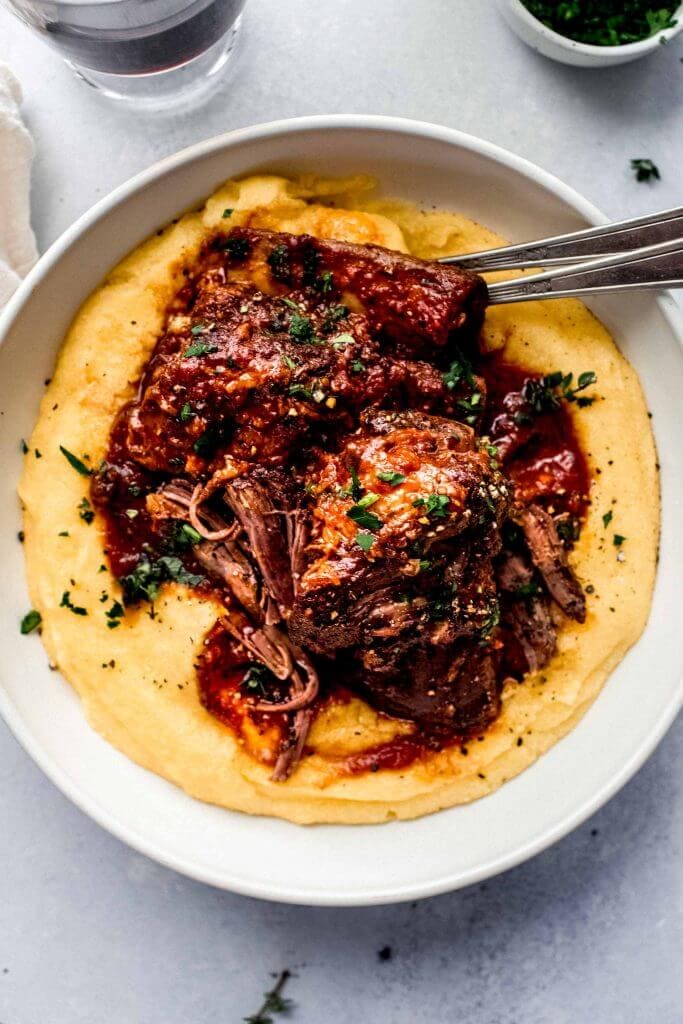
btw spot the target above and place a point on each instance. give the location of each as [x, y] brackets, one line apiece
[646, 252]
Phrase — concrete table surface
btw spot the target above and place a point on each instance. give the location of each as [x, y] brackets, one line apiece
[92, 933]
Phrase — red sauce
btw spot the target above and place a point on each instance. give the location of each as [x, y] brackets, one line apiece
[119, 491]
[543, 458]
[221, 670]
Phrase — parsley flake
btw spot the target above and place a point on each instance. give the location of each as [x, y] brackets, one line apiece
[86, 512]
[460, 369]
[325, 282]
[301, 329]
[144, 583]
[390, 477]
[75, 462]
[67, 603]
[30, 621]
[645, 169]
[199, 348]
[359, 513]
[255, 679]
[300, 391]
[342, 340]
[434, 505]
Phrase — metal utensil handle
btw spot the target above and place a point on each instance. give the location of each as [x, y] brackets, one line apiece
[654, 266]
[579, 246]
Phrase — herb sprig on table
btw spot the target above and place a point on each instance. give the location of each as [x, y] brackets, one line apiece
[273, 1002]
[645, 169]
[604, 22]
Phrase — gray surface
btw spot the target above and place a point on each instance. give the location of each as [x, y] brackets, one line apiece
[590, 930]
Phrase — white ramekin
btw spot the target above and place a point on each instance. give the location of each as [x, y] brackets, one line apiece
[558, 47]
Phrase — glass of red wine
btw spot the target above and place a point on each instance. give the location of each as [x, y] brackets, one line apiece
[155, 52]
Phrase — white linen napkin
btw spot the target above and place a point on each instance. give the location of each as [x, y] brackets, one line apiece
[17, 243]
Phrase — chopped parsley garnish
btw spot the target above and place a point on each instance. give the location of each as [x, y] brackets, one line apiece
[459, 370]
[63, 533]
[30, 621]
[66, 603]
[185, 536]
[325, 282]
[238, 248]
[365, 540]
[288, 362]
[301, 329]
[114, 614]
[278, 261]
[546, 393]
[645, 169]
[530, 589]
[300, 391]
[607, 518]
[75, 462]
[604, 22]
[206, 443]
[198, 329]
[132, 513]
[356, 488]
[199, 348]
[227, 213]
[341, 340]
[425, 564]
[360, 513]
[492, 452]
[255, 678]
[440, 606]
[86, 513]
[186, 413]
[471, 406]
[357, 366]
[390, 477]
[144, 583]
[434, 505]
[618, 540]
[333, 316]
[568, 530]
[491, 621]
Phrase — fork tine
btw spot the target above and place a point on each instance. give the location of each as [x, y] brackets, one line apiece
[578, 246]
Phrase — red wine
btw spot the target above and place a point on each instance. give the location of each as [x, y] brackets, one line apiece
[133, 37]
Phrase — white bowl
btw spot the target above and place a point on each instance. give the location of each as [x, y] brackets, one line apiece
[551, 44]
[326, 864]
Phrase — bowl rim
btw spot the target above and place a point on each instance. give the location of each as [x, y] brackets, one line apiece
[640, 46]
[91, 805]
